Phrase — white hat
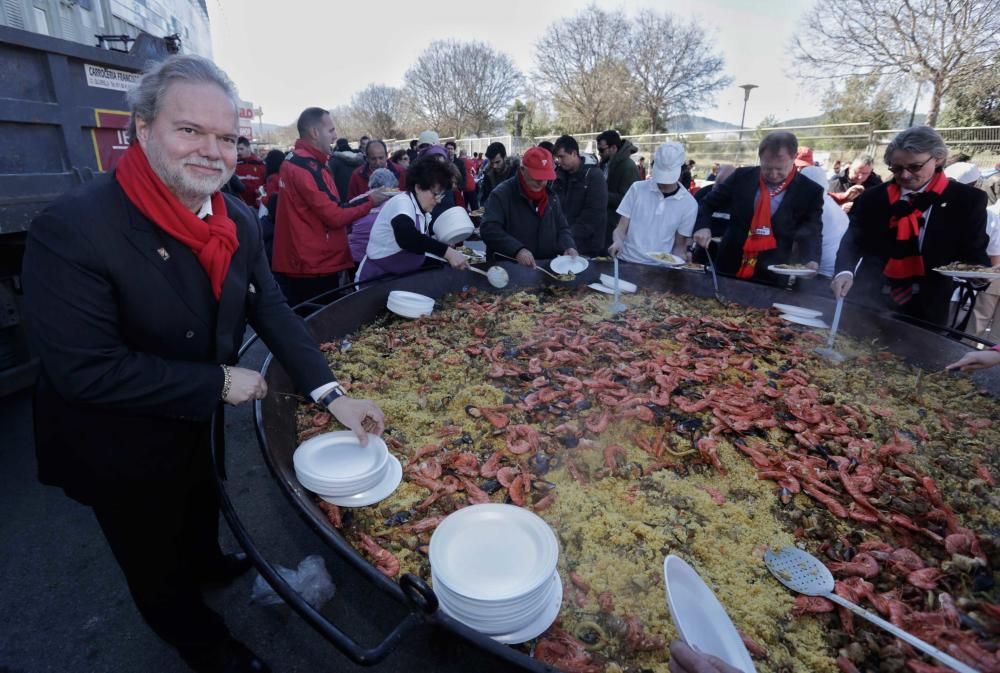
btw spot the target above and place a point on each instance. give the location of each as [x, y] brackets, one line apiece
[963, 172]
[667, 163]
[816, 174]
[428, 138]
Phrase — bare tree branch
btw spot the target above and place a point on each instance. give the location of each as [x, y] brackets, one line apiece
[379, 108]
[458, 87]
[941, 42]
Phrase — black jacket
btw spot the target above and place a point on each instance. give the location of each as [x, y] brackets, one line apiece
[511, 223]
[955, 232]
[491, 178]
[341, 165]
[130, 339]
[583, 196]
[797, 223]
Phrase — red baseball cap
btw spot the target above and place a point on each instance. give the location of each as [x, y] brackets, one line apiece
[539, 164]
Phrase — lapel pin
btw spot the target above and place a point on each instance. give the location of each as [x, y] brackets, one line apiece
[164, 255]
[944, 204]
[251, 289]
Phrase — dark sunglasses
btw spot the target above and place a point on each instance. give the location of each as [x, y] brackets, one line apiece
[911, 168]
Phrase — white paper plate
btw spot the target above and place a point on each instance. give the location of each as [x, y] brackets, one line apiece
[700, 619]
[320, 487]
[791, 272]
[411, 298]
[623, 285]
[798, 310]
[511, 620]
[800, 320]
[601, 288]
[666, 258]
[381, 491]
[984, 275]
[568, 264]
[338, 457]
[407, 311]
[541, 623]
[493, 551]
[491, 611]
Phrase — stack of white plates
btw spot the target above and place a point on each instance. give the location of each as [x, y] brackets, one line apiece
[409, 304]
[453, 226]
[494, 569]
[336, 467]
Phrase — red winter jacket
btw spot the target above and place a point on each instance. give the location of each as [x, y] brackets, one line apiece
[251, 173]
[310, 231]
[359, 179]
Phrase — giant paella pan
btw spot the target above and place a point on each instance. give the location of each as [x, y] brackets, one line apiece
[681, 426]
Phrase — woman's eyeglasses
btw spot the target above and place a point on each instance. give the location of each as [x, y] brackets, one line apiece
[910, 168]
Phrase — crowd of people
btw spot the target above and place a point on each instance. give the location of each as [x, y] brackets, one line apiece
[140, 285]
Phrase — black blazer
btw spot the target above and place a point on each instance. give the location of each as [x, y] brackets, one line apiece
[797, 224]
[955, 232]
[130, 339]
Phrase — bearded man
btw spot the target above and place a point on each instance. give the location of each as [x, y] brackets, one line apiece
[139, 286]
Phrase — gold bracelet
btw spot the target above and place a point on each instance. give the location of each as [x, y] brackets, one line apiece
[227, 382]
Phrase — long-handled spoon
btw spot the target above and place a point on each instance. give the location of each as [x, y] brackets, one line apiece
[616, 305]
[496, 275]
[561, 279]
[804, 573]
[827, 351]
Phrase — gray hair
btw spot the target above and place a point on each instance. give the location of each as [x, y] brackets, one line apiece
[776, 141]
[918, 140]
[863, 160]
[382, 177]
[145, 99]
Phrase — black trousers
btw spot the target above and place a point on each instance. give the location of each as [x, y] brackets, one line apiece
[165, 539]
[298, 290]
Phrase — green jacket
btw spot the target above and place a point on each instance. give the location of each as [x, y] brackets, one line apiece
[621, 173]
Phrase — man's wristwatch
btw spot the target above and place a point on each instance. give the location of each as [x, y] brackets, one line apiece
[332, 394]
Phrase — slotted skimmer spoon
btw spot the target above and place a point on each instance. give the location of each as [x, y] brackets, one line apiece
[827, 351]
[804, 573]
[616, 305]
[496, 275]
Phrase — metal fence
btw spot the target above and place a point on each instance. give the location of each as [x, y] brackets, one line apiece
[830, 142]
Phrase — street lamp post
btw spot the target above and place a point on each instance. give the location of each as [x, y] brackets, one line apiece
[747, 88]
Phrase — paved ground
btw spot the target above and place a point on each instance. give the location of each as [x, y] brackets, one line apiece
[64, 606]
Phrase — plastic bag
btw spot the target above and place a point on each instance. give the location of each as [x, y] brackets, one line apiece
[310, 580]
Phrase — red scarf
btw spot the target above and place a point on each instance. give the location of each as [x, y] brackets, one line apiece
[212, 240]
[905, 260]
[761, 235]
[539, 199]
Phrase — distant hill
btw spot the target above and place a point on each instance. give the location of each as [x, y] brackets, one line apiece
[696, 124]
[902, 120]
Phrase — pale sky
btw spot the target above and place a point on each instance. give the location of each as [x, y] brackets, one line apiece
[285, 55]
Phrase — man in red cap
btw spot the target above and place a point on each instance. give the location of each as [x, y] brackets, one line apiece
[522, 218]
[804, 158]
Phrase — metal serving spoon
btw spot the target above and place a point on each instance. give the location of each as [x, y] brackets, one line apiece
[616, 305]
[539, 268]
[827, 351]
[804, 573]
[496, 275]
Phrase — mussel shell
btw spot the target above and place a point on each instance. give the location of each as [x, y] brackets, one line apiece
[491, 486]
[399, 518]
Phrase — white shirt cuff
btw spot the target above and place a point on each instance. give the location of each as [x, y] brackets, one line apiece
[322, 390]
[849, 273]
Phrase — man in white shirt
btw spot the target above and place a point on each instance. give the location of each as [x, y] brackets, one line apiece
[835, 222]
[985, 314]
[657, 215]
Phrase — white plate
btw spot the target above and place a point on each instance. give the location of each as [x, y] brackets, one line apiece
[800, 320]
[381, 491]
[798, 310]
[985, 275]
[601, 288]
[669, 259]
[791, 272]
[510, 620]
[567, 264]
[493, 551]
[623, 285]
[700, 619]
[339, 458]
[407, 311]
[540, 625]
[338, 490]
[411, 298]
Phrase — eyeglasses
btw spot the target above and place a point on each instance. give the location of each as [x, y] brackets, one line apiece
[911, 168]
[438, 196]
